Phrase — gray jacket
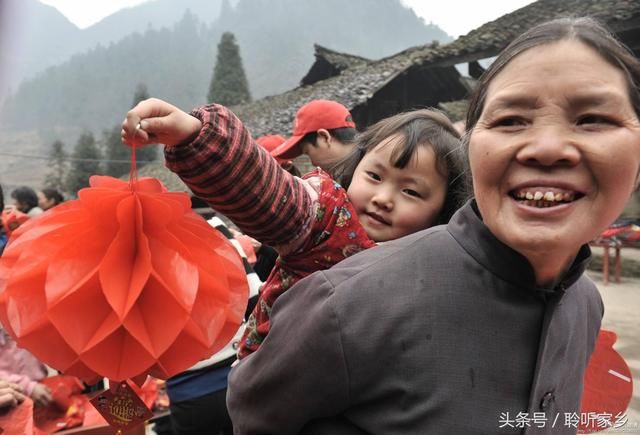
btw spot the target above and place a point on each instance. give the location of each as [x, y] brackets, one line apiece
[440, 332]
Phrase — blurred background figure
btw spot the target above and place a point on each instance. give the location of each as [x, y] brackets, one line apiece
[21, 368]
[10, 219]
[25, 200]
[10, 394]
[49, 197]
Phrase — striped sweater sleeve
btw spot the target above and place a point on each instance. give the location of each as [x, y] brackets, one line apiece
[226, 168]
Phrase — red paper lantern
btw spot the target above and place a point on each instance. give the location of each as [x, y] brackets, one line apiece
[123, 282]
[608, 387]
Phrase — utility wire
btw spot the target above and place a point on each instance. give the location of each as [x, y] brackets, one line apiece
[73, 159]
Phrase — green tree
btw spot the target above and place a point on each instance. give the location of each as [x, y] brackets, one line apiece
[85, 161]
[147, 153]
[229, 84]
[58, 167]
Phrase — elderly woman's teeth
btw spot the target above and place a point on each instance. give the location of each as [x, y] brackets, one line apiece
[538, 198]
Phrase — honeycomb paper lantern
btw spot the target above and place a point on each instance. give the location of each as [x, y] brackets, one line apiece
[123, 282]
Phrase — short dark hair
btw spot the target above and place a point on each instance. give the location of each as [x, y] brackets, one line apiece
[26, 196]
[585, 30]
[418, 127]
[1, 199]
[53, 195]
[343, 134]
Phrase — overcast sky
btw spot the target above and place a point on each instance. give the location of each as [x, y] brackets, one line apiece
[456, 17]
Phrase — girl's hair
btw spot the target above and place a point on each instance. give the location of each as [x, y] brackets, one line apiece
[53, 194]
[422, 127]
[26, 196]
[1, 199]
[586, 30]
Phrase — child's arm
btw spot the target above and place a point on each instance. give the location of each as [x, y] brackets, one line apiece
[222, 165]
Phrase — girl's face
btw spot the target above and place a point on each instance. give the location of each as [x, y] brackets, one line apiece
[393, 202]
[555, 154]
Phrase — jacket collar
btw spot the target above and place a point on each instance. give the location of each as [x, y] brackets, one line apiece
[472, 234]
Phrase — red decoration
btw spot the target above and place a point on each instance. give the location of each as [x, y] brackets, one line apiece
[122, 408]
[123, 282]
[608, 386]
[12, 219]
[66, 409]
[17, 420]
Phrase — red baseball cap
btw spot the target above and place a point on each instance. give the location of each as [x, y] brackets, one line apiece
[270, 142]
[310, 118]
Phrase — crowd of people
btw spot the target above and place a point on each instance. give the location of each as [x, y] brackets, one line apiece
[25, 203]
[20, 371]
[424, 278]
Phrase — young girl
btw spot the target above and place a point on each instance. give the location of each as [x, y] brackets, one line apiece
[403, 177]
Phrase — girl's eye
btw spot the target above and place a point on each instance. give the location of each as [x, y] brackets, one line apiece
[373, 175]
[412, 192]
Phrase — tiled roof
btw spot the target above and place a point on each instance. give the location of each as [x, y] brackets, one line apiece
[488, 39]
[358, 83]
[330, 63]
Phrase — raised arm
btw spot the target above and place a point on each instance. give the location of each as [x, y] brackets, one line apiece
[213, 153]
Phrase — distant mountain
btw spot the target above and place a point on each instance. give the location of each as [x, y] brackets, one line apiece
[35, 36]
[84, 80]
[175, 60]
[151, 15]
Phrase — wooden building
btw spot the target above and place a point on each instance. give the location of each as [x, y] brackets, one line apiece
[424, 76]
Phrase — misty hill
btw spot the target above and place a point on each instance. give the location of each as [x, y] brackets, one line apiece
[92, 90]
[36, 36]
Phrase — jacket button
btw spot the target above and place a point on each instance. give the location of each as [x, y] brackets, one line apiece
[546, 400]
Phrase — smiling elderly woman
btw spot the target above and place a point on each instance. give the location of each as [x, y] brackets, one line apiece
[459, 329]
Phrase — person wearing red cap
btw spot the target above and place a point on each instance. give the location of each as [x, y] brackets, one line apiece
[271, 142]
[323, 130]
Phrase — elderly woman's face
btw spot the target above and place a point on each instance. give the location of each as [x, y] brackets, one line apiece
[555, 154]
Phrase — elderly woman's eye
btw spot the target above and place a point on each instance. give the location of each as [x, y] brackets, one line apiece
[509, 121]
[594, 119]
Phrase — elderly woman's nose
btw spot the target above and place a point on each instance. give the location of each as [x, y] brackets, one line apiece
[549, 146]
